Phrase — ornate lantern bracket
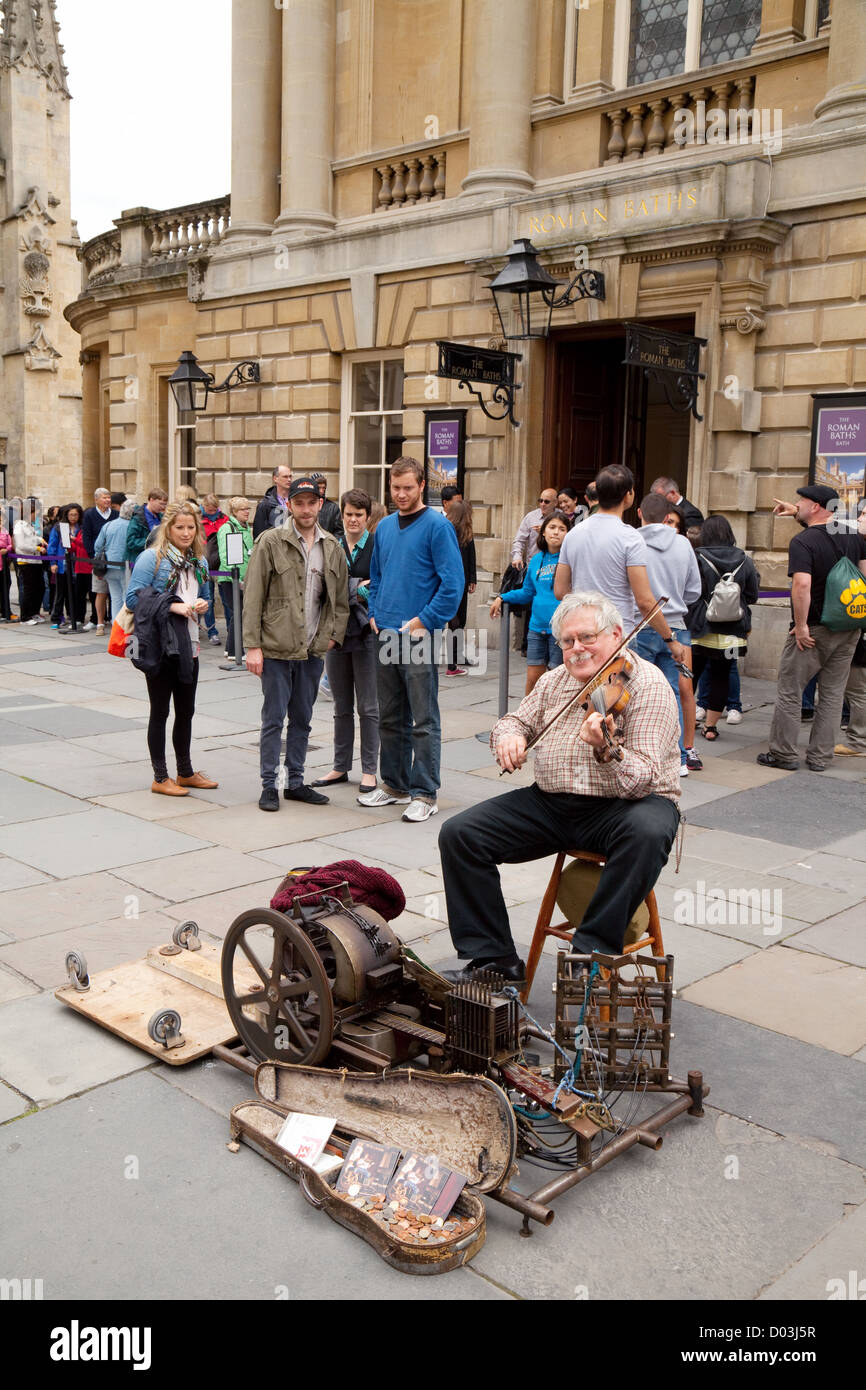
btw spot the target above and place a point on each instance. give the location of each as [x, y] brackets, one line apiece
[669, 358]
[465, 364]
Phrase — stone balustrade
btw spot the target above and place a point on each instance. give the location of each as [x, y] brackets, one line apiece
[665, 122]
[101, 257]
[162, 241]
[407, 182]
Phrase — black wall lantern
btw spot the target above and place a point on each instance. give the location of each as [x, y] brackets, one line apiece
[526, 287]
[191, 385]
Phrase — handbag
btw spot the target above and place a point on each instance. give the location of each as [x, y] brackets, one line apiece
[125, 619]
[119, 640]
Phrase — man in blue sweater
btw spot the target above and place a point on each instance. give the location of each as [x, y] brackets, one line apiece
[416, 584]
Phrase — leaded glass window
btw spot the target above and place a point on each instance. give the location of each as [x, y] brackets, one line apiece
[657, 39]
[729, 29]
[823, 11]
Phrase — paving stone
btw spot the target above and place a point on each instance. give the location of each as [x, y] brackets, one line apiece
[149, 806]
[44, 764]
[13, 702]
[852, 846]
[841, 937]
[50, 1052]
[735, 774]
[12, 1105]
[215, 912]
[465, 754]
[772, 897]
[783, 1201]
[791, 1087]
[742, 851]
[463, 724]
[817, 1274]
[75, 902]
[24, 800]
[154, 1122]
[102, 780]
[861, 1055]
[248, 828]
[14, 875]
[124, 706]
[214, 869]
[822, 871]
[409, 846]
[10, 735]
[793, 992]
[42, 959]
[91, 840]
[73, 722]
[816, 813]
[698, 953]
[11, 984]
[697, 790]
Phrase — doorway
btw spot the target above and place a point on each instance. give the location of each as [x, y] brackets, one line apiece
[599, 411]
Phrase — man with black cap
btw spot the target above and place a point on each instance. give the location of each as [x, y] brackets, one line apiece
[296, 608]
[810, 647]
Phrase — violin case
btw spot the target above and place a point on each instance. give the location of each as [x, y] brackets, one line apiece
[466, 1121]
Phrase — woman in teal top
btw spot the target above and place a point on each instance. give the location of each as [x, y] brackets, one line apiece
[237, 524]
[542, 650]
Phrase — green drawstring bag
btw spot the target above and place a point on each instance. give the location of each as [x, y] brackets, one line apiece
[844, 597]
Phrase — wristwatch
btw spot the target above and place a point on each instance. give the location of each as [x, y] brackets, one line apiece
[670, 639]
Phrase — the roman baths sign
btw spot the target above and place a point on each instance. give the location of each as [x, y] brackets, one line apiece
[627, 211]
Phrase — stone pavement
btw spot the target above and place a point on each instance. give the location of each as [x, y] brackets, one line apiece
[117, 1166]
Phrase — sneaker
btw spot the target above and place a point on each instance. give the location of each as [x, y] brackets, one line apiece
[420, 810]
[325, 688]
[269, 799]
[700, 713]
[684, 771]
[305, 794]
[100, 629]
[734, 716]
[693, 762]
[378, 797]
[31, 622]
[55, 627]
[88, 627]
[214, 639]
[455, 671]
[770, 760]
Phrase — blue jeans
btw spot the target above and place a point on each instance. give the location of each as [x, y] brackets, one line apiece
[542, 649]
[733, 700]
[289, 688]
[409, 727]
[655, 650]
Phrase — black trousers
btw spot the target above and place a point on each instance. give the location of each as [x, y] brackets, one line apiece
[5, 587]
[634, 836]
[163, 686]
[31, 587]
[719, 668]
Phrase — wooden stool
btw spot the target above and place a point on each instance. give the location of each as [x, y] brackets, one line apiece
[565, 930]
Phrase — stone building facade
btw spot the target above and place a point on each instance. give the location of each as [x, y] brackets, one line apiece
[40, 375]
[707, 157]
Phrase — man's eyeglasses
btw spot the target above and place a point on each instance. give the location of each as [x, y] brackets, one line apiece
[586, 639]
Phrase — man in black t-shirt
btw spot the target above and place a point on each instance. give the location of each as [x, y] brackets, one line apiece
[810, 648]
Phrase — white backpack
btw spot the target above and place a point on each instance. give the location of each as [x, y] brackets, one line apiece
[726, 600]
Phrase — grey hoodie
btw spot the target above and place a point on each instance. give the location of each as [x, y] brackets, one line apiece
[672, 569]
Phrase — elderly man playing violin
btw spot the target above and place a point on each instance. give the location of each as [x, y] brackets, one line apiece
[608, 783]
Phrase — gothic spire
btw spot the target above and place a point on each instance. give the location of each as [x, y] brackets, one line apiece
[31, 38]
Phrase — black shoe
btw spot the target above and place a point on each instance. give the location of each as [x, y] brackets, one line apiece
[814, 767]
[305, 794]
[511, 969]
[331, 781]
[806, 716]
[269, 800]
[770, 760]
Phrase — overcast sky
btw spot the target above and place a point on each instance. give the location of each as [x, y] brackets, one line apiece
[142, 72]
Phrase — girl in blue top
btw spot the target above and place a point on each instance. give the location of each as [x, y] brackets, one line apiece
[542, 649]
[176, 562]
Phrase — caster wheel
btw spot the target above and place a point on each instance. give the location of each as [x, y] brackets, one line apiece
[186, 934]
[76, 970]
[164, 1027]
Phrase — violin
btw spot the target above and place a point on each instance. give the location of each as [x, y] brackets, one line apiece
[608, 693]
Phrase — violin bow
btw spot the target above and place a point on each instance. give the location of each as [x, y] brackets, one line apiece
[593, 680]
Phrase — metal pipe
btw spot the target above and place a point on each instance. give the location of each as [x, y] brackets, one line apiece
[504, 657]
[613, 1149]
[225, 1054]
[649, 1139]
[527, 1206]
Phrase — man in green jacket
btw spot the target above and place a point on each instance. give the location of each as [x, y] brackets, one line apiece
[295, 609]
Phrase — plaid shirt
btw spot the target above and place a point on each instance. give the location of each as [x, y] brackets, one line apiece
[565, 763]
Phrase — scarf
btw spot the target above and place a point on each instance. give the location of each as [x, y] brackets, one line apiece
[179, 562]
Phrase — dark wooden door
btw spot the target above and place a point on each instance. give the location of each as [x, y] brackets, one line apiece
[585, 412]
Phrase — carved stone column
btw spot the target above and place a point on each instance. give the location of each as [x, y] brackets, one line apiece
[500, 96]
[309, 50]
[256, 77]
[845, 102]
